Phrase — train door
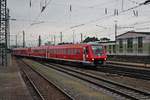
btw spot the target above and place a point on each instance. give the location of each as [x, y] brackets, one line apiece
[46, 52]
[85, 53]
[29, 51]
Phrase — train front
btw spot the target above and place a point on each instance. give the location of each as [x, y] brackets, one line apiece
[98, 54]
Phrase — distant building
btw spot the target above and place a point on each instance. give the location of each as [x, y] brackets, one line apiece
[129, 43]
[134, 43]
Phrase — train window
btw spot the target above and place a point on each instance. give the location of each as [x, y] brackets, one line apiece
[86, 50]
[49, 51]
[62, 51]
[59, 51]
[72, 51]
[56, 51]
[78, 51]
[97, 50]
[65, 51]
[52, 51]
[69, 51]
[75, 50]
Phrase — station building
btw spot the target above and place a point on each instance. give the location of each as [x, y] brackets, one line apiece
[131, 43]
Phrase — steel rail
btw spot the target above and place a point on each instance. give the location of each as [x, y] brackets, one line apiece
[131, 72]
[50, 82]
[33, 85]
[122, 93]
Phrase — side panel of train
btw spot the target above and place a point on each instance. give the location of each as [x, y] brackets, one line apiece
[21, 51]
[73, 53]
[85, 54]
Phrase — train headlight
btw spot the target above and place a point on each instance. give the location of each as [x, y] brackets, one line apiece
[92, 59]
[87, 56]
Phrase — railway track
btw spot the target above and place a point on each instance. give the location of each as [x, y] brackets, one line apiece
[45, 89]
[114, 87]
[125, 71]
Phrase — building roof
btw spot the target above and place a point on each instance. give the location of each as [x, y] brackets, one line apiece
[108, 42]
[145, 33]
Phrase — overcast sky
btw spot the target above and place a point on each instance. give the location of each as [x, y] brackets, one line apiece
[83, 17]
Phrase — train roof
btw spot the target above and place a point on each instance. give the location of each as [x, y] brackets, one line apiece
[63, 46]
[69, 46]
[59, 46]
[19, 48]
[133, 32]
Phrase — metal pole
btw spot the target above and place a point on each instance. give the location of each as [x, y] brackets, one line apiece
[122, 5]
[81, 37]
[60, 37]
[3, 31]
[73, 36]
[39, 40]
[116, 29]
[23, 39]
[16, 42]
[116, 36]
[54, 39]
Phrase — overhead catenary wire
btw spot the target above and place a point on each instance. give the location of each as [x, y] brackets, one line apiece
[112, 15]
[42, 10]
[135, 2]
[81, 24]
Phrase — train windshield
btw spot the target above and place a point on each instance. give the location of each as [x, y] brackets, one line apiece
[97, 50]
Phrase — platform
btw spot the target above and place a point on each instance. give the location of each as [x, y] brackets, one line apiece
[12, 86]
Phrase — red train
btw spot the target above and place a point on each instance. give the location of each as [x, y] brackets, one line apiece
[87, 54]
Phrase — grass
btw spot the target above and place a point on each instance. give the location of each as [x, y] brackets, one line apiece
[71, 84]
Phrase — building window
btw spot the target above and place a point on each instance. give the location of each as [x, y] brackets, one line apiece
[114, 48]
[110, 49]
[120, 46]
[130, 45]
[140, 42]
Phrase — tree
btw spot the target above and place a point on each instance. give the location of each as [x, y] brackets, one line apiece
[90, 39]
[104, 39]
